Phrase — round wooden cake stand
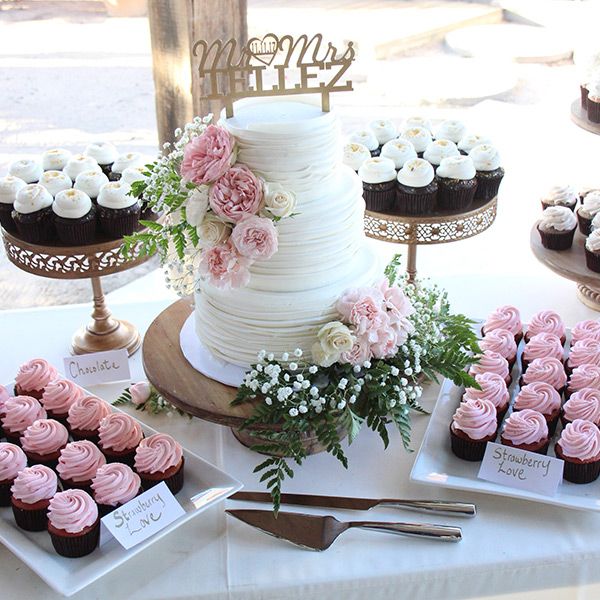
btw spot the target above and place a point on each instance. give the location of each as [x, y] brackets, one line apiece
[579, 117]
[570, 264]
[82, 262]
[438, 228]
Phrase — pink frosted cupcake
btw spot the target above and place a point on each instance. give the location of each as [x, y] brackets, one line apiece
[542, 345]
[585, 376]
[493, 388]
[579, 447]
[78, 463]
[160, 458]
[491, 362]
[59, 396]
[43, 441]
[546, 321]
[474, 424]
[4, 396]
[543, 398]
[31, 493]
[584, 352]
[550, 370]
[527, 430]
[115, 484]
[588, 329]
[33, 377]
[585, 405]
[12, 461]
[85, 415]
[503, 342]
[119, 436]
[505, 317]
[19, 413]
[73, 523]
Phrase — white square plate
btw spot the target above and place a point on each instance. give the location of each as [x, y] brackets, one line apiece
[204, 485]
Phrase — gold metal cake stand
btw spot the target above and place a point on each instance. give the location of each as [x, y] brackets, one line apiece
[104, 257]
[438, 228]
[579, 117]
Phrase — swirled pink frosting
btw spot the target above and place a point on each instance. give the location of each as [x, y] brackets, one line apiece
[501, 341]
[60, 394]
[525, 427]
[44, 436]
[21, 412]
[580, 439]
[585, 352]
[490, 362]
[585, 376]
[540, 396]
[87, 412]
[119, 431]
[584, 404]
[35, 375]
[34, 484]
[72, 511]
[550, 370]
[546, 321]
[79, 461]
[476, 418]
[543, 344]
[12, 460]
[504, 317]
[588, 329]
[115, 483]
[157, 453]
[4, 396]
[493, 388]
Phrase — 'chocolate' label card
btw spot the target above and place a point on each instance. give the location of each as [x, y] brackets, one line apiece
[99, 367]
[143, 516]
[521, 469]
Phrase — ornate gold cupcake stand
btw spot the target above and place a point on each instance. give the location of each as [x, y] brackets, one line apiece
[579, 117]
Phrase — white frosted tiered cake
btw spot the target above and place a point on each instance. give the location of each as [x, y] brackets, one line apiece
[322, 249]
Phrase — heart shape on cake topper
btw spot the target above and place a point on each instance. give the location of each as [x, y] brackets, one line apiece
[264, 50]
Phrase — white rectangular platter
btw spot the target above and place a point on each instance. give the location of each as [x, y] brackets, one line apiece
[204, 485]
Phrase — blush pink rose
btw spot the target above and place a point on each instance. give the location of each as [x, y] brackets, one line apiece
[140, 392]
[395, 300]
[360, 353]
[208, 156]
[255, 237]
[368, 318]
[387, 343]
[353, 295]
[224, 267]
[236, 194]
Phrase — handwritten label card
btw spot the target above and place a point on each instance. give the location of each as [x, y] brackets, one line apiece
[521, 469]
[143, 516]
[99, 367]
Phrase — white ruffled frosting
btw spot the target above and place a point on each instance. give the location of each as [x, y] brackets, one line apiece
[469, 141]
[366, 137]
[438, 150]
[417, 121]
[399, 151]
[31, 198]
[560, 195]
[55, 181]
[72, 204]
[419, 137]
[104, 153]
[9, 187]
[133, 174]
[591, 205]
[456, 167]
[354, 155]
[594, 90]
[596, 222]
[451, 130]
[485, 157]
[27, 169]
[384, 130]
[127, 160]
[558, 217]
[115, 194]
[79, 163]
[377, 170]
[55, 159]
[416, 173]
[592, 243]
[90, 182]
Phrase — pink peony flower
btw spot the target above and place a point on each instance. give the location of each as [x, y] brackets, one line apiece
[208, 156]
[368, 317]
[351, 296]
[387, 343]
[224, 268]
[395, 300]
[255, 237]
[360, 353]
[236, 194]
[140, 392]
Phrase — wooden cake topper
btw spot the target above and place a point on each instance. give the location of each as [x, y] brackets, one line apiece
[225, 63]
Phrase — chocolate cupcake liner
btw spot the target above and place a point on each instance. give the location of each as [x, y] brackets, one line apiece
[528, 447]
[118, 222]
[379, 196]
[174, 482]
[36, 227]
[556, 240]
[471, 450]
[376, 152]
[106, 169]
[5, 493]
[592, 260]
[488, 185]
[86, 486]
[455, 197]
[74, 545]
[585, 224]
[127, 458]
[112, 176]
[593, 110]
[77, 232]
[581, 472]
[6, 219]
[31, 520]
[415, 201]
[584, 96]
[81, 434]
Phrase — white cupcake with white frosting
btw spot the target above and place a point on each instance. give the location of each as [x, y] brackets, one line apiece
[452, 130]
[469, 141]
[9, 187]
[557, 228]
[55, 159]
[437, 150]
[55, 181]
[489, 172]
[367, 138]
[592, 251]
[588, 213]
[27, 169]
[384, 130]
[75, 217]
[378, 175]
[354, 155]
[416, 188]
[456, 183]
[126, 161]
[560, 195]
[91, 182]
[118, 211]
[398, 150]
[132, 174]
[419, 137]
[104, 153]
[79, 163]
[418, 121]
[32, 213]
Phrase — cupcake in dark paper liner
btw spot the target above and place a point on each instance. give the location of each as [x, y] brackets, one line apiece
[55, 159]
[160, 458]
[27, 169]
[470, 140]
[593, 101]
[437, 150]
[542, 345]
[124, 161]
[19, 413]
[419, 137]
[78, 463]
[32, 491]
[74, 217]
[584, 352]
[90, 182]
[505, 317]
[457, 183]
[115, 484]
[592, 251]
[474, 424]
[367, 138]
[118, 211]
[84, 417]
[55, 181]
[540, 396]
[416, 188]
[73, 523]
[547, 369]
[400, 151]
[526, 430]
[493, 388]
[104, 153]
[560, 195]
[58, 397]
[588, 211]
[43, 441]
[32, 214]
[488, 171]
[384, 131]
[354, 155]
[378, 177]
[579, 448]
[33, 377]
[557, 228]
[583, 94]
[80, 163]
[503, 342]
[9, 187]
[491, 362]
[583, 404]
[546, 321]
[584, 376]
[12, 462]
[451, 129]
[119, 436]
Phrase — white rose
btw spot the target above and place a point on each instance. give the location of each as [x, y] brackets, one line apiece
[335, 338]
[212, 231]
[279, 202]
[196, 205]
[320, 357]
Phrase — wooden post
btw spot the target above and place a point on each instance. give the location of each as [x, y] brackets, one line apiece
[175, 25]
